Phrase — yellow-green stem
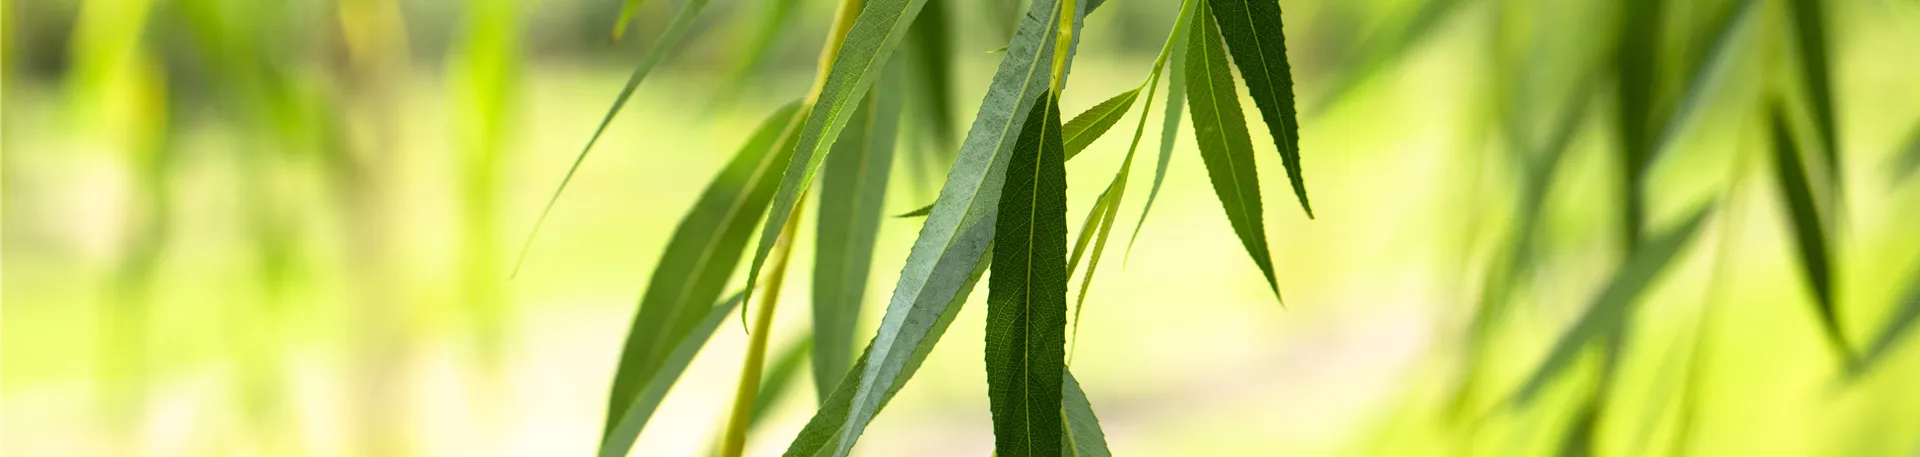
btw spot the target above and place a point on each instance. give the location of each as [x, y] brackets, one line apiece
[1061, 45]
[842, 22]
[735, 441]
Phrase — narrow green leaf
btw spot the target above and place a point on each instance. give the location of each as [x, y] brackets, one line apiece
[627, 11]
[852, 191]
[875, 32]
[1222, 136]
[1611, 309]
[669, 42]
[1896, 328]
[1253, 33]
[1089, 125]
[1096, 217]
[931, 61]
[960, 227]
[1085, 439]
[1810, 235]
[1908, 163]
[821, 435]
[699, 257]
[759, 39]
[1169, 128]
[634, 416]
[1027, 294]
[1810, 25]
[922, 212]
[1708, 70]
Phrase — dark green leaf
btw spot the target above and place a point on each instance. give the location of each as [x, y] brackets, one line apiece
[1027, 294]
[1810, 23]
[1610, 310]
[922, 212]
[960, 227]
[669, 42]
[695, 265]
[1089, 125]
[759, 38]
[1085, 439]
[822, 434]
[634, 416]
[1809, 232]
[1222, 136]
[1253, 33]
[852, 188]
[931, 58]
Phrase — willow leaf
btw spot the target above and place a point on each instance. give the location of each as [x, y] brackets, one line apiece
[852, 189]
[1222, 135]
[1253, 33]
[1027, 294]
[767, 29]
[1895, 329]
[931, 59]
[1096, 217]
[875, 32]
[821, 435]
[1379, 51]
[1810, 23]
[960, 227]
[922, 212]
[1085, 439]
[1809, 233]
[1169, 129]
[1610, 310]
[627, 11]
[634, 416]
[1089, 125]
[669, 42]
[695, 265]
[1908, 163]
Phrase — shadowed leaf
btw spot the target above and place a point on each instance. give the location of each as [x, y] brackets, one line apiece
[1611, 308]
[1896, 329]
[1027, 294]
[960, 227]
[852, 190]
[634, 417]
[922, 212]
[930, 58]
[699, 257]
[1809, 233]
[1089, 125]
[1222, 135]
[1909, 160]
[1810, 24]
[1253, 33]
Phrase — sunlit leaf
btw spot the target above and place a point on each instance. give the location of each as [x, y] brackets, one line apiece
[852, 190]
[1096, 218]
[1095, 121]
[1027, 293]
[1084, 437]
[822, 434]
[1809, 232]
[627, 10]
[1169, 128]
[669, 42]
[1611, 308]
[867, 45]
[960, 227]
[1253, 33]
[699, 257]
[1224, 145]
[634, 416]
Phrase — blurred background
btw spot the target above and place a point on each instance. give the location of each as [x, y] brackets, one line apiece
[286, 227]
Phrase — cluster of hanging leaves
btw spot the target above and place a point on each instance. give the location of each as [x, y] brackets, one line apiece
[1004, 197]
